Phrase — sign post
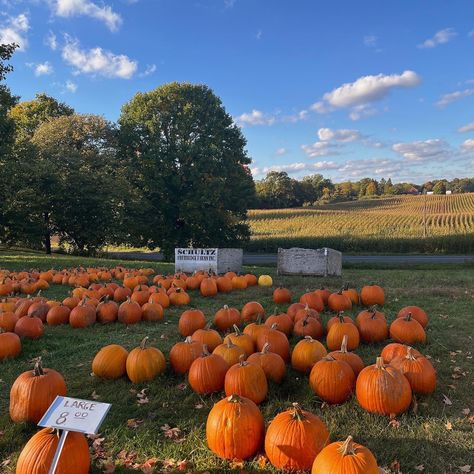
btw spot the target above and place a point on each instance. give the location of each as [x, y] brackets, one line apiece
[73, 414]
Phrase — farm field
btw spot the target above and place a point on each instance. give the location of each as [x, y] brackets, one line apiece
[393, 224]
[435, 436]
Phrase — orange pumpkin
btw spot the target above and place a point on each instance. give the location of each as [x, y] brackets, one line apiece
[337, 332]
[407, 331]
[224, 285]
[8, 319]
[313, 300]
[371, 295]
[58, 315]
[107, 311]
[129, 312]
[251, 311]
[226, 317]
[242, 340]
[272, 364]
[208, 287]
[283, 321]
[416, 313]
[356, 363]
[206, 336]
[277, 340]
[207, 373]
[395, 349]
[281, 295]
[30, 327]
[306, 353]
[109, 362]
[339, 302]
[145, 363]
[152, 312]
[191, 320]
[10, 345]
[183, 354]
[230, 352]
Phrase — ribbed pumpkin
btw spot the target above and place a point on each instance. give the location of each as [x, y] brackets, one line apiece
[373, 328]
[230, 352]
[140, 295]
[277, 340]
[313, 300]
[226, 317]
[282, 320]
[345, 457]
[161, 298]
[352, 294]
[418, 370]
[58, 315]
[207, 373]
[33, 392]
[71, 302]
[368, 313]
[356, 363]
[208, 287]
[224, 285]
[193, 283]
[247, 380]
[324, 294]
[30, 327]
[253, 329]
[238, 338]
[239, 282]
[308, 326]
[235, 428]
[416, 313]
[337, 319]
[190, 321]
[294, 308]
[339, 302]
[251, 311]
[152, 312]
[8, 319]
[294, 438]
[395, 349]
[179, 298]
[337, 332]
[10, 345]
[22, 306]
[272, 364]
[109, 362]
[371, 295]
[207, 336]
[306, 353]
[107, 311]
[332, 380]
[183, 354]
[145, 363]
[407, 331]
[306, 312]
[39, 309]
[37, 455]
[281, 295]
[129, 312]
[83, 315]
[383, 389]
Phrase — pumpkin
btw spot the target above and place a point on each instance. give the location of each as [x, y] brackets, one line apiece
[294, 438]
[145, 363]
[109, 362]
[308, 326]
[71, 302]
[38, 309]
[130, 312]
[395, 349]
[230, 352]
[83, 315]
[418, 370]
[6, 288]
[252, 310]
[313, 300]
[183, 354]
[140, 295]
[339, 302]
[235, 428]
[239, 283]
[251, 279]
[22, 306]
[243, 340]
[383, 389]
[369, 313]
[345, 457]
[281, 295]
[265, 280]
[58, 315]
[306, 353]
[352, 294]
[324, 294]
[30, 327]
[253, 329]
[121, 294]
[210, 337]
[33, 392]
[371, 295]
[38, 453]
[356, 363]
[8, 319]
[152, 312]
[416, 313]
[191, 320]
[207, 373]
[107, 311]
[277, 340]
[179, 298]
[337, 332]
[407, 331]
[208, 287]
[337, 319]
[373, 328]
[332, 380]
[283, 321]
[160, 298]
[193, 282]
[226, 317]
[304, 312]
[230, 275]
[10, 345]
[224, 285]
[271, 363]
[294, 308]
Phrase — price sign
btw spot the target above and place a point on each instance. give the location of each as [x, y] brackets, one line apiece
[73, 414]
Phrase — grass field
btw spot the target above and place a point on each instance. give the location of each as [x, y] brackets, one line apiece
[436, 438]
[394, 224]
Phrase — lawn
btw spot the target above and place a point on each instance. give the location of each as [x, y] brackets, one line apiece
[435, 436]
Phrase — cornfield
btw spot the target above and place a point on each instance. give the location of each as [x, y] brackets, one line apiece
[429, 223]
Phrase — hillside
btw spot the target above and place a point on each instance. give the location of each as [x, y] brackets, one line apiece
[392, 224]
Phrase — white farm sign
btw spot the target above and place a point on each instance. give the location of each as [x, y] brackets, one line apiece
[190, 260]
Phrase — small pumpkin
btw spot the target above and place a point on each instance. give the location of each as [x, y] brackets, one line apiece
[308, 326]
[110, 362]
[8, 320]
[210, 337]
[272, 364]
[306, 353]
[241, 339]
[145, 363]
[294, 308]
[352, 294]
[152, 312]
[224, 284]
[58, 315]
[107, 311]
[239, 282]
[339, 302]
[283, 321]
[277, 340]
[83, 315]
[129, 312]
[179, 298]
[313, 300]
[265, 280]
[30, 327]
[251, 279]
[281, 295]
[371, 295]
[324, 294]
[208, 287]
[395, 349]
[374, 328]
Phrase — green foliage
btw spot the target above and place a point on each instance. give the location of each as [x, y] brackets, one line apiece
[188, 166]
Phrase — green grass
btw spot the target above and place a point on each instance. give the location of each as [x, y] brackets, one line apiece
[421, 439]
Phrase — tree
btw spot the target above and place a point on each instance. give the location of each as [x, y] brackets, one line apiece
[439, 187]
[371, 189]
[187, 162]
[277, 190]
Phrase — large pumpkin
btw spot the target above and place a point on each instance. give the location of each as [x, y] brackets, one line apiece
[208, 287]
[210, 337]
[207, 373]
[10, 345]
[383, 389]
[308, 326]
[190, 321]
[306, 353]
[109, 362]
[183, 354]
[30, 327]
[372, 326]
[33, 392]
[313, 300]
[345, 458]
[145, 363]
[83, 315]
[339, 302]
[337, 332]
[226, 317]
[294, 438]
[277, 340]
[130, 312]
[235, 428]
[107, 311]
[371, 295]
[58, 315]
[271, 363]
[283, 321]
[407, 331]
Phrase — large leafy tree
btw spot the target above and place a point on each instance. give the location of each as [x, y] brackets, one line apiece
[187, 162]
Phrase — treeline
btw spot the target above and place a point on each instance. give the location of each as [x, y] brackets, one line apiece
[172, 172]
[278, 190]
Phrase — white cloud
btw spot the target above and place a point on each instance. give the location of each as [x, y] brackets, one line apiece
[467, 146]
[440, 37]
[104, 13]
[150, 69]
[325, 165]
[290, 168]
[370, 41]
[362, 111]
[423, 150]
[365, 90]
[259, 34]
[369, 167]
[43, 69]
[51, 41]
[256, 117]
[453, 97]
[229, 3]
[320, 149]
[97, 61]
[281, 151]
[71, 86]
[14, 30]
[466, 128]
[341, 135]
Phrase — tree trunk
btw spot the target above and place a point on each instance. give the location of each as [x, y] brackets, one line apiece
[47, 234]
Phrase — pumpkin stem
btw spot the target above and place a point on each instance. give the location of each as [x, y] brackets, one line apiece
[410, 354]
[274, 326]
[188, 340]
[236, 329]
[379, 363]
[408, 317]
[205, 351]
[340, 315]
[297, 411]
[344, 343]
[308, 338]
[38, 368]
[347, 447]
[229, 344]
[234, 398]
[242, 360]
[144, 343]
[265, 348]
[225, 307]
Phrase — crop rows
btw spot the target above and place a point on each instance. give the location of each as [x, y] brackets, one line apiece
[395, 224]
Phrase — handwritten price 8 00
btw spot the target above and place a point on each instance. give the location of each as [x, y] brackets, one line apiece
[78, 416]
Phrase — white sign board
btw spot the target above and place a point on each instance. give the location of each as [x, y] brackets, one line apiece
[190, 260]
[73, 414]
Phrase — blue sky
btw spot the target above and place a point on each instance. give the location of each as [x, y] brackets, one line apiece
[343, 88]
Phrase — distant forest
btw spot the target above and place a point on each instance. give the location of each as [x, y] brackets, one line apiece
[278, 190]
